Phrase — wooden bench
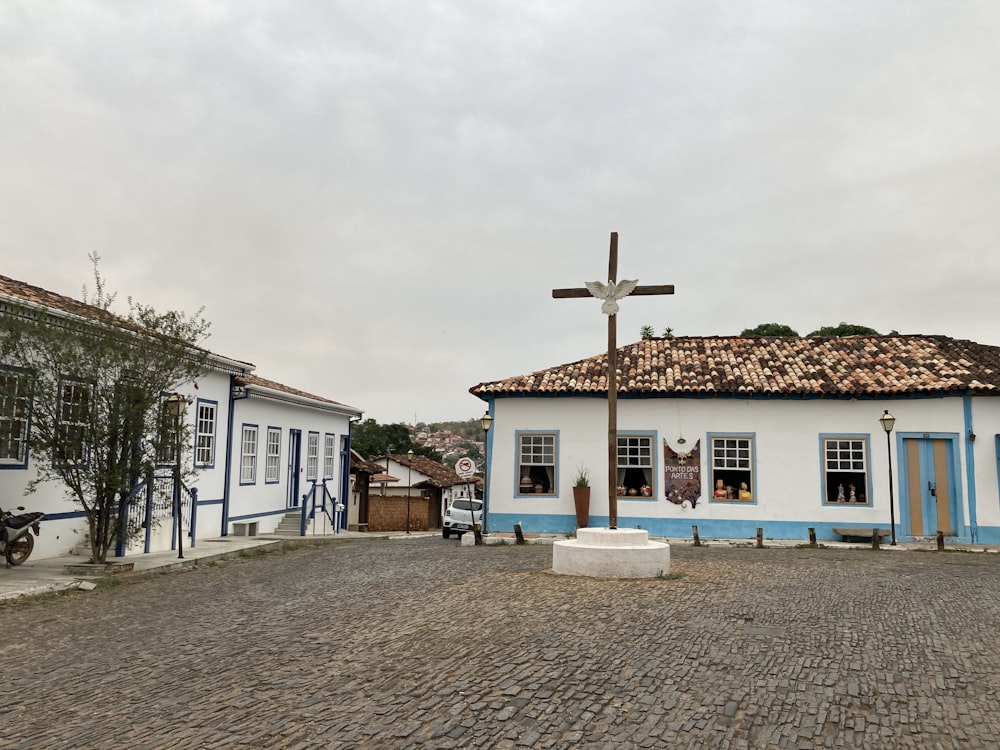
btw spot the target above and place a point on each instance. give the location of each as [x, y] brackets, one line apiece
[861, 532]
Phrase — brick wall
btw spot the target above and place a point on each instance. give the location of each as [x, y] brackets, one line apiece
[388, 513]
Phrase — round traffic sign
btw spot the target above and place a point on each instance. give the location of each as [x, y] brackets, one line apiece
[465, 467]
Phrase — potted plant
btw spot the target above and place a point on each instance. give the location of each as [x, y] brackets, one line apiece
[581, 496]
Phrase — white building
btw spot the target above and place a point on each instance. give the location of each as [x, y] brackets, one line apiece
[260, 450]
[735, 434]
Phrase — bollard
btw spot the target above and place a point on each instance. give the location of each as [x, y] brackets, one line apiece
[812, 537]
[940, 541]
[518, 533]
[760, 538]
[876, 539]
[694, 534]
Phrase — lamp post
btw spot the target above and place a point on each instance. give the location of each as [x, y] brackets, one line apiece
[486, 422]
[173, 407]
[888, 421]
[409, 474]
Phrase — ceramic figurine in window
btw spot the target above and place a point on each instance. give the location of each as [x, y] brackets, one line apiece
[633, 491]
[526, 484]
[720, 489]
[744, 492]
[646, 490]
[854, 497]
[621, 490]
[840, 493]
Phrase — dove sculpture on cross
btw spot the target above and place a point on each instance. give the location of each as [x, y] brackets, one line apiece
[611, 293]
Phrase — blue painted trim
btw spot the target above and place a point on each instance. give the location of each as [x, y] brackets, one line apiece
[866, 436]
[678, 527]
[227, 480]
[215, 428]
[262, 514]
[67, 516]
[656, 469]
[970, 468]
[989, 535]
[753, 468]
[557, 456]
[487, 469]
[270, 429]
[256, 445]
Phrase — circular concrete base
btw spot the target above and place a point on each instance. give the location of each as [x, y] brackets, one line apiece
[611, 553]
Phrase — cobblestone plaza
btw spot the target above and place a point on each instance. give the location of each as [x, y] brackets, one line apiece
[422, 643]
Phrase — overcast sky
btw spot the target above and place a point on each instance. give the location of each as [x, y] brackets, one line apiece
[373, 200]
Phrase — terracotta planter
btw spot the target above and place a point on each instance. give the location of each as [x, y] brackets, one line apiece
[581, 499]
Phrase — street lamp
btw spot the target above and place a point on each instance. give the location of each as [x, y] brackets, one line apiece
[173, 407]
[486, 422]
[888, 421]
[409, 474]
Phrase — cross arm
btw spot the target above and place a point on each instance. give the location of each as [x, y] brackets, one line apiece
[641, 290]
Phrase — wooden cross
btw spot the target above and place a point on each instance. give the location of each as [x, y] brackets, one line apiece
[610, 294]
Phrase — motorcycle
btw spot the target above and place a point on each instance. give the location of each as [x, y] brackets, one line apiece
[16, 541]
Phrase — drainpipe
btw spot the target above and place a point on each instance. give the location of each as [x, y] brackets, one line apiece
[970, 466]
[236, 393]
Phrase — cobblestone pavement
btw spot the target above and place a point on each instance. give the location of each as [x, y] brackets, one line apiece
[423, 643]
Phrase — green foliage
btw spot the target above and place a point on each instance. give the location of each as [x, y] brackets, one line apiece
[646, 332]
[844, 329]
[770, 329]
[582, 478]
[95, 383]
[371, 439]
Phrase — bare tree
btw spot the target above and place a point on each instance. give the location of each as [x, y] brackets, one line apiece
[93, 384]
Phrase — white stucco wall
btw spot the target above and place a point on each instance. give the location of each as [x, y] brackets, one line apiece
[267, 502]
[787, 464]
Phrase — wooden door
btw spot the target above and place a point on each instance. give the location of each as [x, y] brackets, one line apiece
[930, 481]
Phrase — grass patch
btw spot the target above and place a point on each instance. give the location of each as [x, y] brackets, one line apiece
[670, 576]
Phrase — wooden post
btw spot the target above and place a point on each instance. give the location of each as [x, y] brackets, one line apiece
[629, 287]
[760, 538]
[940, 541]
[812, 537]
[519, 535]
[876, 539]
[694, 534]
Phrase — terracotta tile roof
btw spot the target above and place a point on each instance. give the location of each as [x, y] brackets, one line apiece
[58, 303]
[772, 366]
[439, 474]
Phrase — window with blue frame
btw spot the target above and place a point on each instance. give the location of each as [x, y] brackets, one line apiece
[15, 408]
[329, 454]
[635, 465]
[272, 456]
[312, 456]
[732, 466]
[845, 470]
[536, 463]
[204, 441]
[248, 455]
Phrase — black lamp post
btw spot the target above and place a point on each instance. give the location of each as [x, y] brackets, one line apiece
[174, 406]
[409, 475]
[486, 422]
[888, 421]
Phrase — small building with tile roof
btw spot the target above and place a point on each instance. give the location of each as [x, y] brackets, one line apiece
[733, 434]
[428, 486]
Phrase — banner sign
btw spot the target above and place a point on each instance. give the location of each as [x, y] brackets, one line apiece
[682, 475]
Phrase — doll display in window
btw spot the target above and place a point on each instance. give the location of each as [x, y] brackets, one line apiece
[840, 493]
[646, 491]
[745, 492]
[853, 497]
[720, 490]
